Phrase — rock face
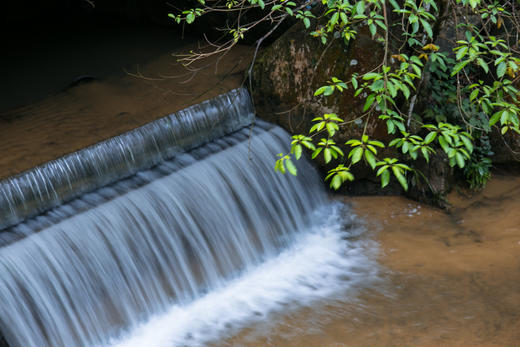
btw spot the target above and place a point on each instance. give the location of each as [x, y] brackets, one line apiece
[294, 66]
[506, 148]
[288, 72]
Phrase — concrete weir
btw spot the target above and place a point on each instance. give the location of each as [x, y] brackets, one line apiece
[51, 184]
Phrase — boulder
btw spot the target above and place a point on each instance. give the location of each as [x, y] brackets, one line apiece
[285, 77]
[506, 148]
[288, 72]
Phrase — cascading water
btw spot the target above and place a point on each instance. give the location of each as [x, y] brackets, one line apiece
[178, 253]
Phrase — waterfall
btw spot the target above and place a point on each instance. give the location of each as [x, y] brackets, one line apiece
[169, 236]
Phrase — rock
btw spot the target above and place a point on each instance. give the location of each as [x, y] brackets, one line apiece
[506, 148]
[294, 66]
[438, 180]
[288, 72]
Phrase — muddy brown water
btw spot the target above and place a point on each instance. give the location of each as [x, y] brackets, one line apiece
[449, 279]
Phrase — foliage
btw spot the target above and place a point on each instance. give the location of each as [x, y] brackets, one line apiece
[478, 169]
[473, 87]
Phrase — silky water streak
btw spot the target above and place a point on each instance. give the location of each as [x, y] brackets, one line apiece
[180, 253]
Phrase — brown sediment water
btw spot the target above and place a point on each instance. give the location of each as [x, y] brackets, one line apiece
[450, 278]
[91, 112]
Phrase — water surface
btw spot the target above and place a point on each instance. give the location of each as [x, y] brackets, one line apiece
[448, 279]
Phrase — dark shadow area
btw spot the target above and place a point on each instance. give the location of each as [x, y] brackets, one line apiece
[49, 46]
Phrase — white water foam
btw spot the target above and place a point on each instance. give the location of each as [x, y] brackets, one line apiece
[326, 262]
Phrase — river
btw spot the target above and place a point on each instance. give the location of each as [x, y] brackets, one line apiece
[448, 278]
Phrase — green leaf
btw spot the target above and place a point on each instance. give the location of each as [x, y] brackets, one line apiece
[406, 91]
[290, 167]
[331, 128]
[391, 127]
[443, 143]
[382, 168]
[360, 7]
[281, 166]
[494, 119]
[395, 142]
[413, 153]
[460, 159]
[385, 178]
[297, 151]
[381, 24]
[371, 159]
[501, 69]
[405, 147]
[459, 67]
[427, 28]
[391, 88]
[425, 154]
[353, 142]
[461, 52]
[344, 17]
[483, 64]
[373, 29]
[309, 145]
[467, 143]
[354, 82]
[400, 177]
[336, 182]
[334, 19]
[371, 76]
[395, 5]
[356, 154]
[327, 155]
[473, 94]
[316, 152]
[377, 143]
[328, 90]
[377, 85]
[430, 137]
[277, 165]
[320, 91]
[369, 102]
[337, 150]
